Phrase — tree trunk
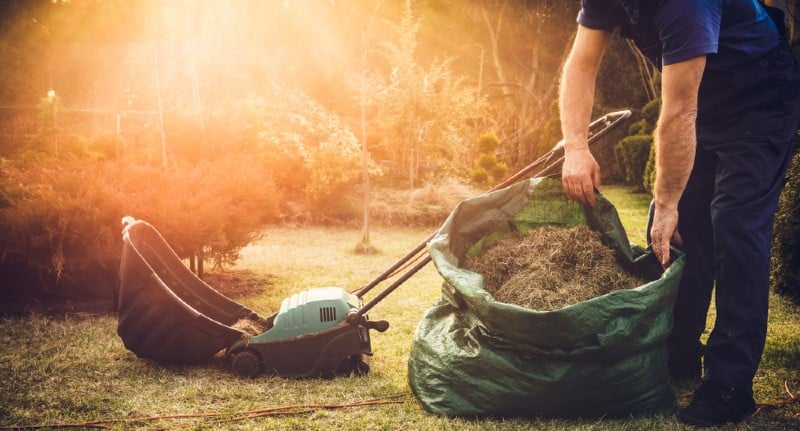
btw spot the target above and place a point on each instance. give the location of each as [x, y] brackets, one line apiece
[364, 154]
[494, 32]
[160, 112]
[364, 246]
[200, 259]
[412, 157]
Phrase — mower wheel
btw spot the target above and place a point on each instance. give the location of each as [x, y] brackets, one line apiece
[246, 363]
[353, 365]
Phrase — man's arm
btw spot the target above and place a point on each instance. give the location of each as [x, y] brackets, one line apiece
[580, 173]
[675, 141]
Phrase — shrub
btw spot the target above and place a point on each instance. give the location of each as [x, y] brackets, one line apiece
[61, 223]
[310, 150]
[650, 171]
[486, 161]
[59, 214]
[486, 165]
[638, 128]
[488, 143]
[499, 171]
[107, 146]
[186, 139]
[636, 153]
[334, 168]
[479, 176]
[632, 154]
[650, 113]
[211, 209]
[287, 168]
[550, 132]
[785, 271]
[61, 218]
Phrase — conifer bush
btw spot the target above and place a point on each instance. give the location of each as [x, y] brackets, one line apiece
[635, 153]
[487, 168]
[785, 271]
[60, 219]
[632, 153]
[59, 231]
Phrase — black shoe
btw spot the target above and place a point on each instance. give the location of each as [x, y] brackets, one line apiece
[714, 403]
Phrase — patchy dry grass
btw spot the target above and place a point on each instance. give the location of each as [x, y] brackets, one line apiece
[75, 369]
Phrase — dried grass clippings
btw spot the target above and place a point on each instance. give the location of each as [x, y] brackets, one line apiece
[550, 268]
[250, 327]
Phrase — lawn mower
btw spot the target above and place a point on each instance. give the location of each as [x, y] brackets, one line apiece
[169, 315]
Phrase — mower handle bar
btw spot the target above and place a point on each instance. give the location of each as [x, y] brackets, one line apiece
[554, 157]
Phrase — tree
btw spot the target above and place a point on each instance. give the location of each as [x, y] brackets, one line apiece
[427, 110]
[364, 246]
[528, 43]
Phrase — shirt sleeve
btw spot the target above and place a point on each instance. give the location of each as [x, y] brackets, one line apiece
[600, 14]
[688, 28]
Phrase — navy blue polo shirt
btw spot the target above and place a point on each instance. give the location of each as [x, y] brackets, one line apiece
[729, 32]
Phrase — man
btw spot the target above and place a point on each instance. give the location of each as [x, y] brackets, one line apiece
[730, 93]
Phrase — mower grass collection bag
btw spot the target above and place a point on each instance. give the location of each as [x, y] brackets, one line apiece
[606, 356]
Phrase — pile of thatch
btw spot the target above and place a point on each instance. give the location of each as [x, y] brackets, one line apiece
[550, 268]
[251, 327]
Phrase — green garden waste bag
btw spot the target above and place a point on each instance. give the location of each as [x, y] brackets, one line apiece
[605, 357]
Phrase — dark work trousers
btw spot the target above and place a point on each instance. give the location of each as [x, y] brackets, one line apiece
[747, 121]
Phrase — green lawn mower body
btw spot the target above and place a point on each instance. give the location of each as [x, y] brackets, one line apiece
[310, 336]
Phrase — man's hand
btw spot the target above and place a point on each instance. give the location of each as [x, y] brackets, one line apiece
[663, 232]
[580, 176]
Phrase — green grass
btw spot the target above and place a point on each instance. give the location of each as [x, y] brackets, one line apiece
[74, 368]
[632, 210]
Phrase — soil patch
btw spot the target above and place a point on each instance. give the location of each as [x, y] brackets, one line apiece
[237, 283]
[549, 268]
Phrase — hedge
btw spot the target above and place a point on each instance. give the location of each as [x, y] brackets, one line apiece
[632, 154]
[785, 274]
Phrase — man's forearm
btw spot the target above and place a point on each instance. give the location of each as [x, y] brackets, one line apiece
[675, 141]
[577, 85]
[575, 105]
[676, 136]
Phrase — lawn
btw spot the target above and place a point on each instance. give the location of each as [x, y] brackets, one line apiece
[74, 369]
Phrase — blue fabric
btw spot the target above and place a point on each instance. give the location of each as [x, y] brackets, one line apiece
[730, 32]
